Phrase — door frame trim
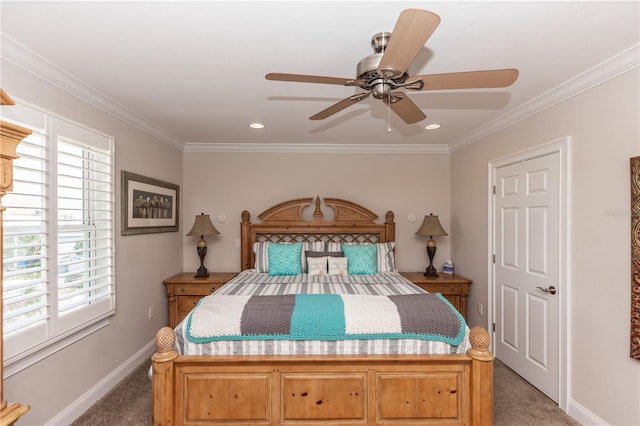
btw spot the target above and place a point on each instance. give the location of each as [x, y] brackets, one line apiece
[562, 147]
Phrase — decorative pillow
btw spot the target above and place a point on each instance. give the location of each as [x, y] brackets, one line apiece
[316, 254]
[317, 265]
[285, 259]
[310, 246]
[338, 265]
[325, 254]
[260, 251]
[331, 246]
[386, 257]
[385, 261]
[362, 258]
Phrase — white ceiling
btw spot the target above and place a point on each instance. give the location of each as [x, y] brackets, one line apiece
[193, 72]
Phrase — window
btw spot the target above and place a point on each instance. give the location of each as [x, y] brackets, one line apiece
[58, 260]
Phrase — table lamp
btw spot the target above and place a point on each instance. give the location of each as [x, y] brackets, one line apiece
[431, 227]
[202, 226]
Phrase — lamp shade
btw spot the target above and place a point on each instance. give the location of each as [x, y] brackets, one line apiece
[431, 227]
[203, 226]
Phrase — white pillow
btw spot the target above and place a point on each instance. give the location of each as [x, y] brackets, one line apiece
[317, 265]
[337, 265]
[386, 257]
[310, 246]
[261, 254]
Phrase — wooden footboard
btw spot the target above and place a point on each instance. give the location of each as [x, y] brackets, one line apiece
[328, 389]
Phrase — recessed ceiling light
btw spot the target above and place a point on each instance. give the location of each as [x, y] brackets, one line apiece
[256, 125]
[432, 126]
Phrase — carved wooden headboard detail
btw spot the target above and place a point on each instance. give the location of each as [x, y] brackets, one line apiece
[284, 222]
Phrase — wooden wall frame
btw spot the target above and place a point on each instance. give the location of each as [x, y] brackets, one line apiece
[635, 258]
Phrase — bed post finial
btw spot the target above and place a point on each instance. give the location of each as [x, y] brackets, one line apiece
[479, 339]
[246, 216]
[165, 345]
[389, 217]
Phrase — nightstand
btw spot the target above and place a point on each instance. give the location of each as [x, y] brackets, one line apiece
[184, 291]
[455, 288]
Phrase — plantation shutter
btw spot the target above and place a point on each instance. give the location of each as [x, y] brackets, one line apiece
[59, 234]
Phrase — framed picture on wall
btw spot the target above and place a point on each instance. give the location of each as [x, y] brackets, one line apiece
[635, 258]
[148, 205]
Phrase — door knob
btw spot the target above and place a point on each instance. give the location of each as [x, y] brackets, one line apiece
[550, 290]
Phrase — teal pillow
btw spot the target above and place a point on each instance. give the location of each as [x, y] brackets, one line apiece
[284, 259]
[363, 258]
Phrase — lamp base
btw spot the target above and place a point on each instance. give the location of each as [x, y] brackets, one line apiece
[431, 272]
[431, 252]
[202, 252]
[201, 272]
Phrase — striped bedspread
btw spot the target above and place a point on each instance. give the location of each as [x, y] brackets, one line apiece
[205, 332]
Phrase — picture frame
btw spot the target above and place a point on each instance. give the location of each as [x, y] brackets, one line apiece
[635, 258]
[148, 205]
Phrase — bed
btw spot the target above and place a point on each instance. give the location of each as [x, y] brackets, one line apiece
[209, 371]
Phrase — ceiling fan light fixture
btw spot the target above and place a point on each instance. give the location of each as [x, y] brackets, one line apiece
[256, 125]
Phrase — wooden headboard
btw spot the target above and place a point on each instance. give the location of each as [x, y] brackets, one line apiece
[284, 222]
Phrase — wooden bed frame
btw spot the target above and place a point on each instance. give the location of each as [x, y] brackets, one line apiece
[327, 389]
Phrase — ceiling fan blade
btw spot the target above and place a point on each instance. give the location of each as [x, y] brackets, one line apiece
[412, 30]
[405, 108]
[339, 106]
[302, 78]
[469, 79]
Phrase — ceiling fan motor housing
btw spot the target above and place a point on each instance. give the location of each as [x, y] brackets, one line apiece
[367, 69]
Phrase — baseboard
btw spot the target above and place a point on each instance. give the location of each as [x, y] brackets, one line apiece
[584, 416]
[82, 404]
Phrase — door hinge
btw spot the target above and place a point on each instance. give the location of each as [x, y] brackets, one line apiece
[494, 258]
[494, 190]
[494, 327]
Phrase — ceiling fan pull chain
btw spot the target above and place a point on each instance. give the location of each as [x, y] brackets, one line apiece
[389, 112]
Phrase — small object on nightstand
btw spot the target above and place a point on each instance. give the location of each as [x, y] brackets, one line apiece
[447, 268]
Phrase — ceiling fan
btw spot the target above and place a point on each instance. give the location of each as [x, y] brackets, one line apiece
[385, 71]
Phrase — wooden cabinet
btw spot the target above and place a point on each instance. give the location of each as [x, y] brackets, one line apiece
[184, 291]
[455, 288]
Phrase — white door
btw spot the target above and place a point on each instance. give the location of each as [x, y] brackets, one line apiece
[526, 271]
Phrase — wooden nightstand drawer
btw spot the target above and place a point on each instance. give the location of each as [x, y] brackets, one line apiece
[187, 303]
[454, 288]
[435, 288]
[184, 291]
[196, 289]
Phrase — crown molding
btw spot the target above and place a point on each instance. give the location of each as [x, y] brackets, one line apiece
[25, 58]
[625, 61]
[302, 148]
[21, 56]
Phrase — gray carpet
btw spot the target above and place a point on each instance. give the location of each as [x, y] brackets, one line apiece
[516, 403]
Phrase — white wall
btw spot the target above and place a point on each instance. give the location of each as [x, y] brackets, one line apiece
[229, 183]
[604, 126]
[142, 262]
